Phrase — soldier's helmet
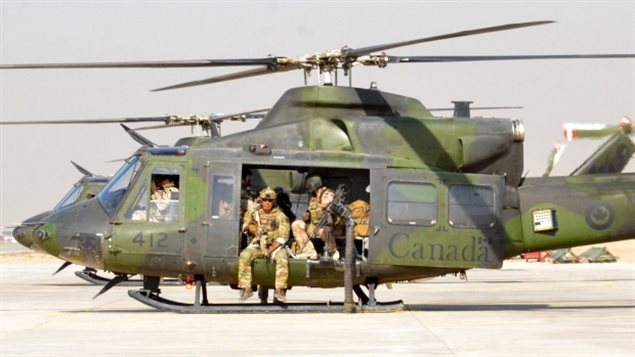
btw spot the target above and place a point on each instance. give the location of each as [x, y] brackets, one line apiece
[268, 194]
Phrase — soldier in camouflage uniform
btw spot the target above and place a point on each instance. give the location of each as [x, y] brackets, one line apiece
[314, 210]
[334, 226]
[269, 228]
[164, 210]
[313, 184]
[166, 187]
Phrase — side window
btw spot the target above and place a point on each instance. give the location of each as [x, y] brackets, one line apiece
[164, 195]
[138, 211]
[412, 204]
[222, 200]
[471, 206]
[70, 198]
[114, 192]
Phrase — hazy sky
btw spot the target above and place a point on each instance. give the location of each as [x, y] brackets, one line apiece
[35, 169]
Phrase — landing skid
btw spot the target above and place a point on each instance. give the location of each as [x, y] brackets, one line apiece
[92, 277]
[152, 299]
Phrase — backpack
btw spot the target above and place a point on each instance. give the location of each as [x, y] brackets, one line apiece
[361, 215]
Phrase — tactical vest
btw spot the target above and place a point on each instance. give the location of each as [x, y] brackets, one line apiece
[275, 223]
[360, 211]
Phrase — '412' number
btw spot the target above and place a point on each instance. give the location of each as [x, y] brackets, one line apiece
[160, 242]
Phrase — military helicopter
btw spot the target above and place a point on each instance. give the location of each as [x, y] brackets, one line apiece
[446, 195]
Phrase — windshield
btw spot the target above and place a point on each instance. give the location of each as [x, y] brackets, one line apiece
[114, 192]
[69, 198]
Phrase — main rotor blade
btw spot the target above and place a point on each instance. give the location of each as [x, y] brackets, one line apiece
[82, 170]
[163, 126]
[267, 61]
[353, 52]
[241, 115]
[138, 137]
[229, 77]
[433, 59]
[88, 121]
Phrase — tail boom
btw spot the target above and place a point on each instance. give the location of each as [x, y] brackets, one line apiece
[563, 212]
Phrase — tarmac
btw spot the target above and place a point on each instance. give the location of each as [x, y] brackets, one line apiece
[524, 309]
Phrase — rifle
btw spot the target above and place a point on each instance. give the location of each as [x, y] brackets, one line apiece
[261, 233]
[336, 206]
[262, 236]
[289, 252]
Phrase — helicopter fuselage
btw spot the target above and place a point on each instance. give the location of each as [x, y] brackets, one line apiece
[445, 195]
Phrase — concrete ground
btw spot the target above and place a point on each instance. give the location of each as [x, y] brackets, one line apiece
[525, 309]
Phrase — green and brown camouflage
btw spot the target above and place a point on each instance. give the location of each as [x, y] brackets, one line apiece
[445, 195]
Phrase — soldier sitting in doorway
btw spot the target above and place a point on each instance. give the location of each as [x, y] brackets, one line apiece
[269, 229]
[332, 225]
[311, 216]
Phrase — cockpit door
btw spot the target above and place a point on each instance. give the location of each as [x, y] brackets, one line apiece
[148, 227]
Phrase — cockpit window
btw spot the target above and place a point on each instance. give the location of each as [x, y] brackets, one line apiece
[138, 211]
[69, 198]
[110, 197]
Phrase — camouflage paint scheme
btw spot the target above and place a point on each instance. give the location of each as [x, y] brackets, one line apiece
[364, 138]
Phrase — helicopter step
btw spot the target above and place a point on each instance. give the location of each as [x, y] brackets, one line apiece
[92, 277]
[152, 299]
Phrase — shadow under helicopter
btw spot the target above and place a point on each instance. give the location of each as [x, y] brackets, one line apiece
[512, 307]
[414, 308]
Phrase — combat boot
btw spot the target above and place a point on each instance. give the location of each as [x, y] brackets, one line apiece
[245, 293]
[280, 295]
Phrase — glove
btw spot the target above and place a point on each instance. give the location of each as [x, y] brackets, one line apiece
[273, 248]
[252, 229]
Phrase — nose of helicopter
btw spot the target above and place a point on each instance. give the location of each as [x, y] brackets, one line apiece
[45, 239]
[74, 233]
[23, 233]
